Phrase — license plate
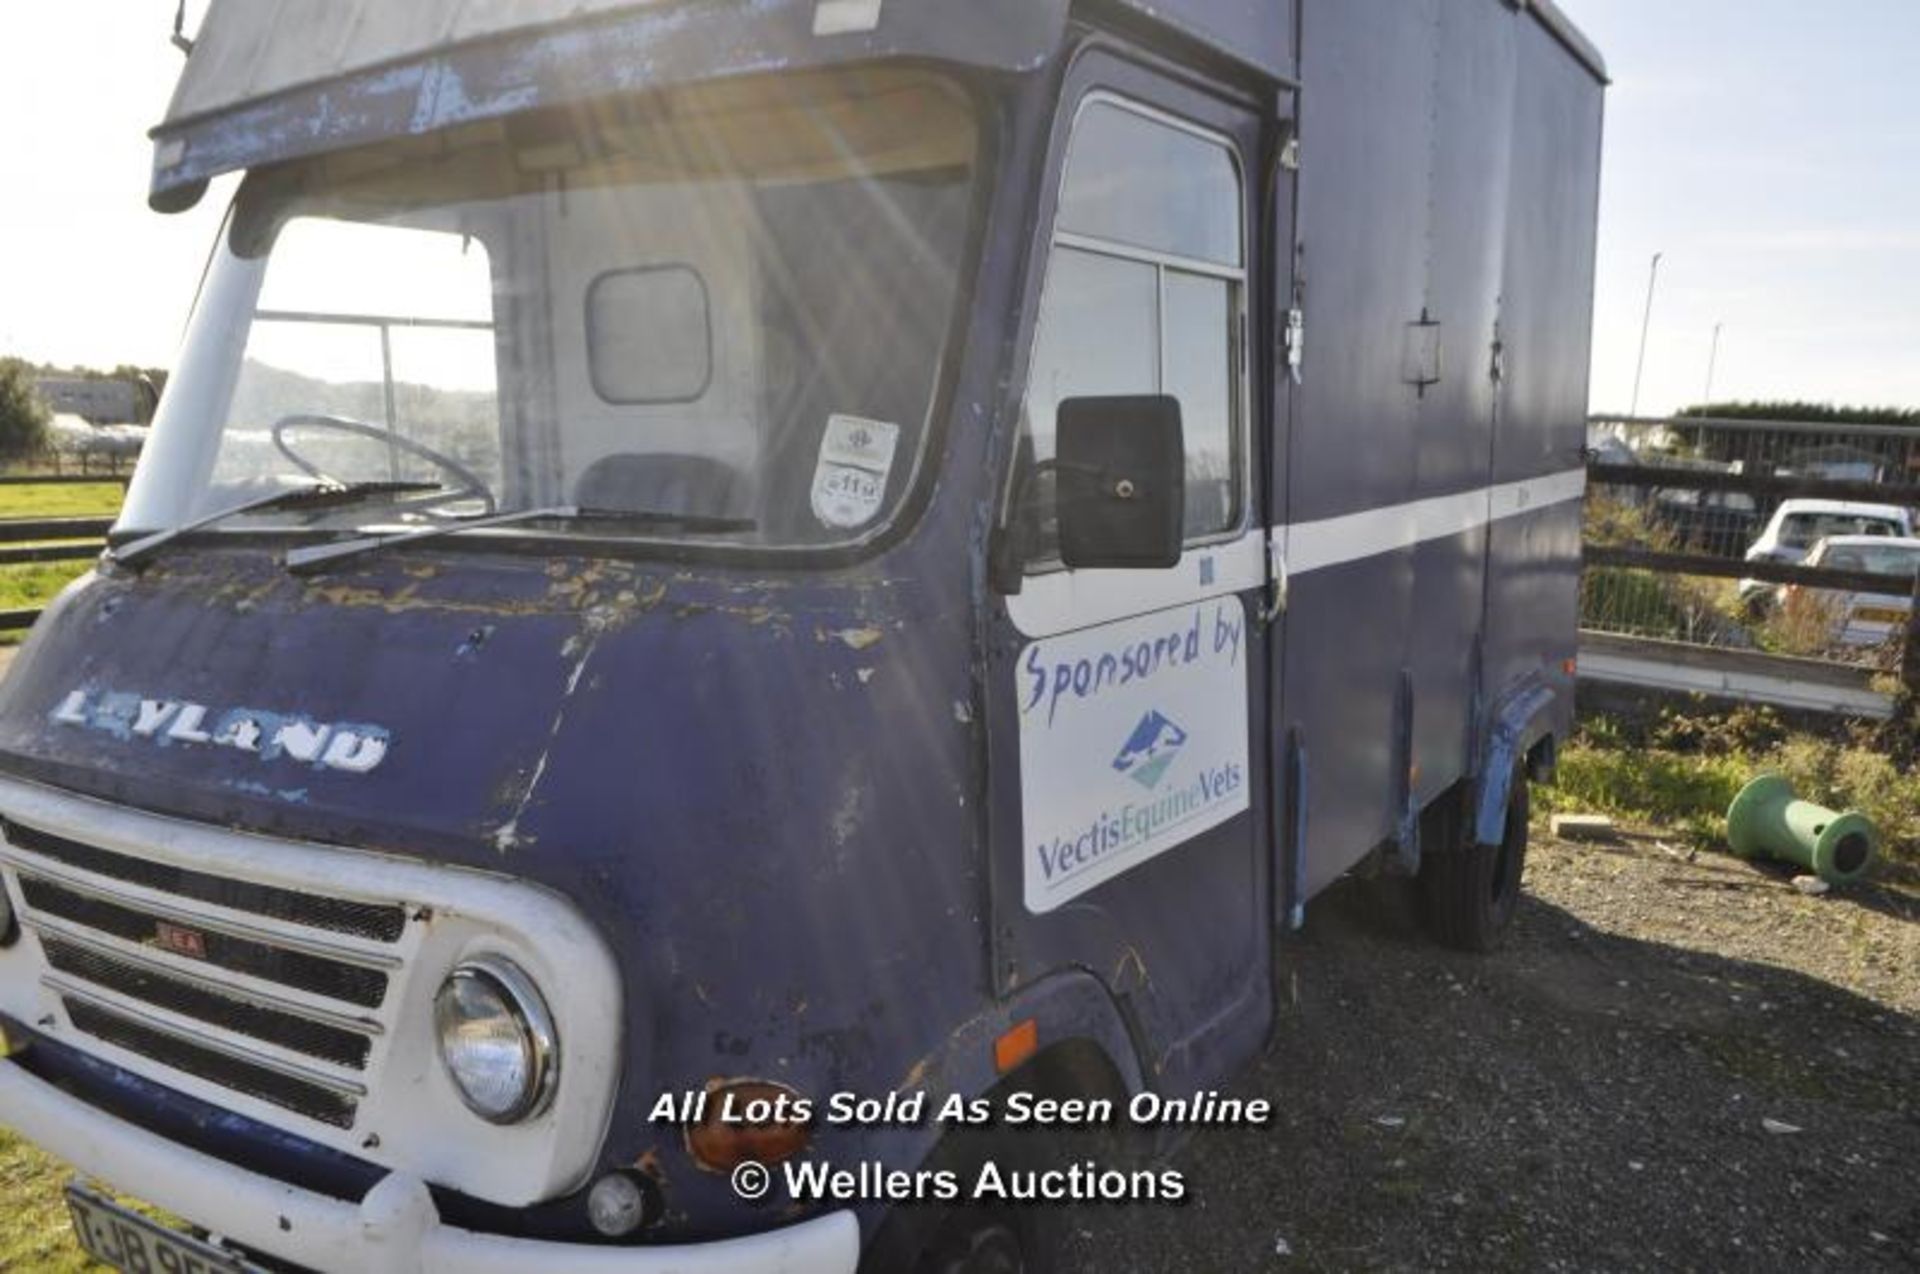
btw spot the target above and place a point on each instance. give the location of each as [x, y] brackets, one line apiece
[1880, 615]
[125, 1240]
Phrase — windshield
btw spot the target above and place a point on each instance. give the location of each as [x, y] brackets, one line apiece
[1804, 529]
[1900, 560]
[717, 314]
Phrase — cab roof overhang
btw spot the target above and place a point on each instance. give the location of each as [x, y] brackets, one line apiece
[273, 80]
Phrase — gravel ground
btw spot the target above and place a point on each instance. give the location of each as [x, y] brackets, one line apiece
[1676, 1064]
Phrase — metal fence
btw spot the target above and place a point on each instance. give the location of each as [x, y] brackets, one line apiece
[31, 541]
[1692, 540]
[1683, 586]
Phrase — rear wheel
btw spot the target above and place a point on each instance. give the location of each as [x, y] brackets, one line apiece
[1469, 891]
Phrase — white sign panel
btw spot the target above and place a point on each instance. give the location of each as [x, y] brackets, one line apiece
[1133, 740]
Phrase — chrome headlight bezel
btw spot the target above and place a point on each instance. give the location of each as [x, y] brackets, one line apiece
[532, 1023]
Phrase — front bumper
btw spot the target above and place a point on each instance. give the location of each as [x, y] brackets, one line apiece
[394, 1229]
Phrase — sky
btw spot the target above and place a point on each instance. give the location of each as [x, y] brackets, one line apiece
[1770, 149]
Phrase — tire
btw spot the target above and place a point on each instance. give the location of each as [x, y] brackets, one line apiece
[967, 1238]
[1469, 891]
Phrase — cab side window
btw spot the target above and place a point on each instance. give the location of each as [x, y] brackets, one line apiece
[1144, 295]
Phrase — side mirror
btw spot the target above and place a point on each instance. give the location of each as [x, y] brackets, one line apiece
[1122, 483]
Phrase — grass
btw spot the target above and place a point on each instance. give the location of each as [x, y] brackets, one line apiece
[34, 1231]
[25, 587]
[30, 587]
[59, 500]
[1682, 770]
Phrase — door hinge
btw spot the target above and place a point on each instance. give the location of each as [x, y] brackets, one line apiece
[1420, 356]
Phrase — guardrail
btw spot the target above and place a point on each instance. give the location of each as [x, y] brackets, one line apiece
[62, 479]
[1675, 504]
[25, 541]
[1744, 676]
[28, 541]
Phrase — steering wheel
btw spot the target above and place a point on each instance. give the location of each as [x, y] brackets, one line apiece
[471, 483]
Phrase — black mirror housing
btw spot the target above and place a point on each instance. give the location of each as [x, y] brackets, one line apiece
[1121, 474]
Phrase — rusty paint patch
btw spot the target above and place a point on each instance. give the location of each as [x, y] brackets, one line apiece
[651, 1165]
[916, 1076]
[853, 638]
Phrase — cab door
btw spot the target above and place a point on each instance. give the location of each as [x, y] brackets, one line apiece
[1130, 821]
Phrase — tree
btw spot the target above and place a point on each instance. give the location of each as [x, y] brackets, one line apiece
[1811, 413]
[23, 417]
[1788, 446]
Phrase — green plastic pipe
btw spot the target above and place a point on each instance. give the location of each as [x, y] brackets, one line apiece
[1766, 819]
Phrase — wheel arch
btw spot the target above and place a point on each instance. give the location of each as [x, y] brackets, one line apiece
[1521, 740]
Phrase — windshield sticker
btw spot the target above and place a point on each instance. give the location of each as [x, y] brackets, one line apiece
[1133, 740]
[271, 736]
[850, 481]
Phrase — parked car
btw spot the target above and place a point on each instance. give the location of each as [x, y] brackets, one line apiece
[1717, 522]
[1798, 525]
[1858, 619]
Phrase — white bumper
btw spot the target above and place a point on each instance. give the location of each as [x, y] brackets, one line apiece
[395, 1228]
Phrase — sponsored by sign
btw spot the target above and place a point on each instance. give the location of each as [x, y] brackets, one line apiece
[1133, 740]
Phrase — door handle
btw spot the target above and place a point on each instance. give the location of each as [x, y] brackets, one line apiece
[1278, 585]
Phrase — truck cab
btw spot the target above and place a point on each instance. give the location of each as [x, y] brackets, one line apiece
[702, 554]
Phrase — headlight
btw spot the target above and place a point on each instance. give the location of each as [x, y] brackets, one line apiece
[497, 1040]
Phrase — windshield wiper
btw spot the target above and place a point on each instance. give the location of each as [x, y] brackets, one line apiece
[303, 560]
[323, 496]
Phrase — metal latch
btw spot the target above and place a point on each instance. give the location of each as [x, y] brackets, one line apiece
[1296, 342]
[1290, 155]
[1278, 586]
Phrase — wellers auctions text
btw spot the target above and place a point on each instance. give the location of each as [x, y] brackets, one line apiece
[813, 1182]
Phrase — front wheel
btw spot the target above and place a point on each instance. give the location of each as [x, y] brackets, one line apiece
[967, 1237]
[1469, 891]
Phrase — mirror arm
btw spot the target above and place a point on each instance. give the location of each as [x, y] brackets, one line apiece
[1004, 568]
[1006, 558]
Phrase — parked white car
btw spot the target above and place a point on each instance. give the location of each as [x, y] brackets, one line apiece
[1859, 619]
[1798, 525]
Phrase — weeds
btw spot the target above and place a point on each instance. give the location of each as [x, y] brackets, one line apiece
[1682, 770]
[1672, 607]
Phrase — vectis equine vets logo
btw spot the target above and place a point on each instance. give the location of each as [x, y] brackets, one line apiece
[1154, 744]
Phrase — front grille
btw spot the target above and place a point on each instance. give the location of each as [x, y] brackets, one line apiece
[301, 1096]
[382, 923]
[216, 1008]
[268, 992]
[333, 978]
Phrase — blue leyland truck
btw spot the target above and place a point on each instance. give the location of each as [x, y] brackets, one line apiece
[760, 549]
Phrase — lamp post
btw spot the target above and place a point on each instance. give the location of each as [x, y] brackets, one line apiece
[1713, 358]
[1646, 325]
